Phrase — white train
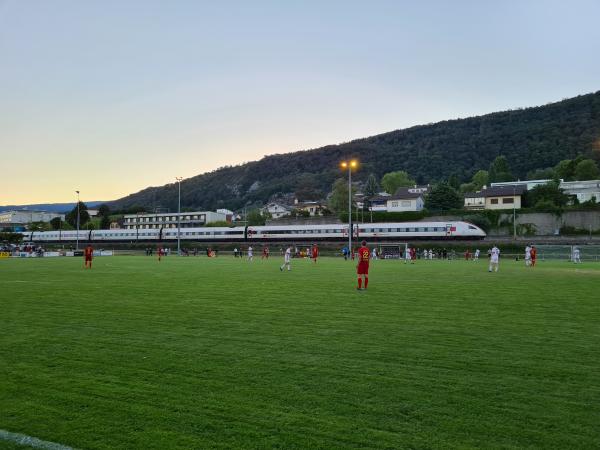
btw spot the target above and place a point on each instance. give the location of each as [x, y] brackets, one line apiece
[403, 231]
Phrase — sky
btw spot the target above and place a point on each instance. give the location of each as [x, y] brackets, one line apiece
[109, 97]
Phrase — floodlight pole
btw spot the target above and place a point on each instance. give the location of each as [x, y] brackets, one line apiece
[179, 217]
[349, 207]
[77, 238]
[349, 164]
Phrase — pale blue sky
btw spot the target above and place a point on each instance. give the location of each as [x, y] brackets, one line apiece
[113, 96]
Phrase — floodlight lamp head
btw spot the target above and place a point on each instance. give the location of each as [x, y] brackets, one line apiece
[344, 164]
[353, 163]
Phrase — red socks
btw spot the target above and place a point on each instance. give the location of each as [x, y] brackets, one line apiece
[360, 283]
[366, 282]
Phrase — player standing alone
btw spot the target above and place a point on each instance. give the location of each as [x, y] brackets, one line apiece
[494, 259]
[315, 252]
[533, 255]
[250, 254]
[287, 259]
[362, 268]
[88, 254]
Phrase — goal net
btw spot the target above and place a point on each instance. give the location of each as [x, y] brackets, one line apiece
[393, 251]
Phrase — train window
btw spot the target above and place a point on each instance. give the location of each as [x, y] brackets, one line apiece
[471, 227]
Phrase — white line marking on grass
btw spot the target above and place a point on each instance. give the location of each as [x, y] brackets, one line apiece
[23, 439]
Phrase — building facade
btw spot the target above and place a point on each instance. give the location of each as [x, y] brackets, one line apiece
[405, 199]
[584, 191]
[20, 218]
[171, 220]
[277, 210]
[496, 197]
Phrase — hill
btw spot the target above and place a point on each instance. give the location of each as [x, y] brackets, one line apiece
[530, 138]
[52, 207]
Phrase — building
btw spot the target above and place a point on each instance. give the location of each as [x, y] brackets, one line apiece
[170, 220]
[497, 197]
[19, 219]
[583, 190]
[312, 208]
[277, 210]
[405, 199]
[230, 215]
[529, 184]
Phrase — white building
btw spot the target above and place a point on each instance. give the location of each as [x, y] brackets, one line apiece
[403, 200]
[583, 190]
[171, 220]
[529, 184]
[277, 210]
[228, 213]
[20, 218]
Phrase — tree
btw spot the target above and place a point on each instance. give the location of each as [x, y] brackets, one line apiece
[541, 174]
[104, 210]
[545, 194]
[105, 222]
[565, 170]
[56, 223]
[586, 170]
[39, 226]
[84, 217]
[443, 197]
[393, 180]
[255, 217]
[371, 186]
[500, 171]
[338, 201]
[104, 215]
[454, 181]
[480, 179]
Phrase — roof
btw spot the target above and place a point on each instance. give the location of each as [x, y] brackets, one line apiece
[498, 191]
[404, 193]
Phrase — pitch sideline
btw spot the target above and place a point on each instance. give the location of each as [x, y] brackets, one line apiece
[23, 439]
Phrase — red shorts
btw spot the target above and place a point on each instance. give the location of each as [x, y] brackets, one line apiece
[88, 258]
[363, 268]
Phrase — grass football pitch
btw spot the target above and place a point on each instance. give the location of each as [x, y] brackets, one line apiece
[222, 353]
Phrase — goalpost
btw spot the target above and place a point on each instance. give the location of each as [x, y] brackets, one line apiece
[393, 251]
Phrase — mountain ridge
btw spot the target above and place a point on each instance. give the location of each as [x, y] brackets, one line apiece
[531, 138]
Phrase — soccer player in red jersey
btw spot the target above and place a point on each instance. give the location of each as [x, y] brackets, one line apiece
[533, 255]
[265, 254]
[159, 252]
[315, 252]
[88, 254]
[362, 268]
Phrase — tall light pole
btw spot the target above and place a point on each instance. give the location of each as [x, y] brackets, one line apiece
[352, 164]
[77, 241]
[179, 217]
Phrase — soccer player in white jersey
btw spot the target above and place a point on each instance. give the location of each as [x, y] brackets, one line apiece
[476, 258]
[287, 257]
[528, 255]
[250, 254]
[576, 255]
[494, 258]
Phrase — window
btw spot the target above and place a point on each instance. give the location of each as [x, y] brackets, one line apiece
[405, 203]
[508, 200]
[395, 204]
[494, 201]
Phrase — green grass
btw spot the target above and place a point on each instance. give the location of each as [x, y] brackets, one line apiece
[198, 353]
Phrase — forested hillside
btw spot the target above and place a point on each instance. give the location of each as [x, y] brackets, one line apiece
[532, 138]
